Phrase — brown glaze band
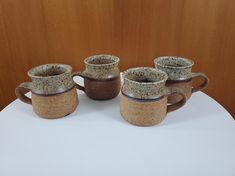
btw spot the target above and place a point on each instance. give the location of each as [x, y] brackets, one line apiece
[47, 95]
[99, 89]
[92, 79]
[171, 107]
[21, 90]
[142, 100]
[179, 81]
[203, 85]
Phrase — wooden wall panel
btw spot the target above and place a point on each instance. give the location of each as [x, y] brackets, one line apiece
[67, 31]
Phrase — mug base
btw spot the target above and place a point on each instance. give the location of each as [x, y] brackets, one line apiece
[55, 106]
[103, 98]
[102, 90]
[142, 113]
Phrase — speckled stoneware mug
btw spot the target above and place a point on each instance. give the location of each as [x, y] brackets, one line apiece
[180, 75]
[53, 91]
[101, 77]
[144, 95]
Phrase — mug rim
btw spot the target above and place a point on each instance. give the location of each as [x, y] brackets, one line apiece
[67, 67]
[156, 61]
[145, 83]
[100, 55]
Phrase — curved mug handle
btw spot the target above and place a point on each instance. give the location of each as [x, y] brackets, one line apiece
[21, 90]
[77, 85]
[201, 86]
[180, 103]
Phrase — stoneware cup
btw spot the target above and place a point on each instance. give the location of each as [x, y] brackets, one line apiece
[180, 75]
[143, 101]
[101, 77]
[53, 90]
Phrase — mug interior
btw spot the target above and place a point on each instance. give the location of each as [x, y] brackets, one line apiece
[101, 60]
[174, 62]
[145, 75]
[49, 70]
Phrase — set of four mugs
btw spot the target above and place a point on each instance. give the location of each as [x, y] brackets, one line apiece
[147, 94]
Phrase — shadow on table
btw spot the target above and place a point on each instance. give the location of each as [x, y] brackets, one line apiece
[108, 108]
[189, 112]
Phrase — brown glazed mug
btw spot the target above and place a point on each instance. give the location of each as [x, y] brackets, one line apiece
[144, 95]
[53, 91]
[101, 77]
[180, 75]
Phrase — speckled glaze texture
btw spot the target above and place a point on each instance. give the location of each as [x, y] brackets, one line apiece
[51, 79]
[144, 83]
[177, 68]
[101, 77]
[54, 93]
[180, 75]
[101, 67]
[144, 96]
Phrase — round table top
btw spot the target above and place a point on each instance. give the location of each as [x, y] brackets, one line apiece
[198, 139]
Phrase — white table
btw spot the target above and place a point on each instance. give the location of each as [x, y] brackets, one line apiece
[197, 140]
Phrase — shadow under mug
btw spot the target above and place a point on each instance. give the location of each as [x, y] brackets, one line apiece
[101, 77]
[53, 91]
[143, 101]
[180, 75]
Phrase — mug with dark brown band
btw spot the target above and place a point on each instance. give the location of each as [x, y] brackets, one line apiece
[144, 95]
[179, 71]
[101, 77]
[53, 91]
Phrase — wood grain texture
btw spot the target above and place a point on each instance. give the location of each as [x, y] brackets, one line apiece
[67, 31]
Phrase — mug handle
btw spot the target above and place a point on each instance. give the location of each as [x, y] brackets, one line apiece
[77, 85]
[180, 103]
[203, 84]
[21, 90]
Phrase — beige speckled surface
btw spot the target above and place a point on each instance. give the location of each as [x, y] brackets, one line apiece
[143, 113]
[55, 106]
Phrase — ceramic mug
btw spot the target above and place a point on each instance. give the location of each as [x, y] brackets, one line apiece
[180, 75]
[101, 77]
[53, 91]
[144, 95]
